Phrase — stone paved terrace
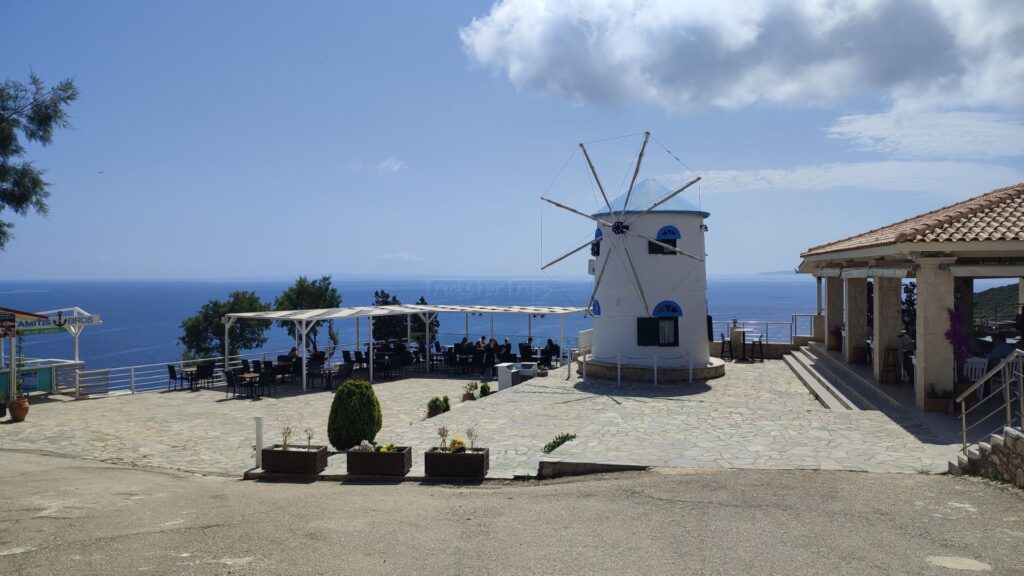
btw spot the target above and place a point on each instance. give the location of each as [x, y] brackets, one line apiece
[757, 416]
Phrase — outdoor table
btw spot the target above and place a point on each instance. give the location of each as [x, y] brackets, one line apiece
[248, 377]
[743, 343]
[189, 373]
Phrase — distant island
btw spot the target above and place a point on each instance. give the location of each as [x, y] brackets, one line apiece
[776, 272]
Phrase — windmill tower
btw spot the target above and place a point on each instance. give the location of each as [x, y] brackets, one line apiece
[649, 301]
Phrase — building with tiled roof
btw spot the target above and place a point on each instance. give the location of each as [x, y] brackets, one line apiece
[943, 250]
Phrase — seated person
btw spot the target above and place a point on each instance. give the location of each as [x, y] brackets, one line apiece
[293, 354]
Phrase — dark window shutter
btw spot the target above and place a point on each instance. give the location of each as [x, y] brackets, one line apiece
[647, 332]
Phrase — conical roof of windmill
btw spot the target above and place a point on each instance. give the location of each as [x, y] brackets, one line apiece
[649, 191]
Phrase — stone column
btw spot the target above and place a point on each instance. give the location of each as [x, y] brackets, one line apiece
[855, 315]
[965, 303]
[1020, 295]
[887, 324]
[934, 355]
[833, 309]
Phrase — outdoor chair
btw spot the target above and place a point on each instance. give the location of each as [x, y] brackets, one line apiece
[267, 380]
[245, 366]
[173, 377]
[338, 377]
[525, 352]
[230, 383]
[257, 366]
[726, 348]
[360, 360]
[545, 360]
[974, 368]
[756, 347]
[346, 356]
[203, 374]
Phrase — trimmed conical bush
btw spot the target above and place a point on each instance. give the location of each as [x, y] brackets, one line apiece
[355, 415]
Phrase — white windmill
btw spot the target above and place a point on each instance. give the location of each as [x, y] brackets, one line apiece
[649, 301]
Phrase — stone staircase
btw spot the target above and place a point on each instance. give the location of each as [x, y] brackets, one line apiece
[830, 386]
[1001, 458]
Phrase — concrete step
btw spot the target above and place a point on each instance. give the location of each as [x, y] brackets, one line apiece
[828, 373]
[841, 395]
[829, 397]
[852, 383]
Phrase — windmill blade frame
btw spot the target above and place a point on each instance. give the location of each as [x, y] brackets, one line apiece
[596, 178]
[636, 277]
[665, 246]
[566, 255]
[636, 172]
[663, 200]
[575, 211]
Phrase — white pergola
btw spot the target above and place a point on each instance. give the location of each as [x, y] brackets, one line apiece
[306, 319]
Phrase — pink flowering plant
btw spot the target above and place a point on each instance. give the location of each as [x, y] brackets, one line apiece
[958, 337]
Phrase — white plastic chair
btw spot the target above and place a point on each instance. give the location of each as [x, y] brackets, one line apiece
[974, 369]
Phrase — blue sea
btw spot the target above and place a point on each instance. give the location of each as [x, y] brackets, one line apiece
[142, 319]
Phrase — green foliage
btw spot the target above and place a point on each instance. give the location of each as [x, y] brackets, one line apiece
[908, 309]
[485, 389]
[995, 474]
[388, 327]
[203, 333]
[308, 294]
[355, 415]
[434, 407]
[34, 111]
[558, 441]
[998, 303]
[419, 327]
[447, 403]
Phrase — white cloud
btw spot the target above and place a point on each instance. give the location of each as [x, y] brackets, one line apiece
[946, 179]
[390, 166]
[406, 257]
[951, 134]
[678, 55]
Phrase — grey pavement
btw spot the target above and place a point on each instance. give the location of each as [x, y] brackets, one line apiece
[64, 516]
[758, 416]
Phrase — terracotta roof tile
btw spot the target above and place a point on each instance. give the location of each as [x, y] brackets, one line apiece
[997, 215]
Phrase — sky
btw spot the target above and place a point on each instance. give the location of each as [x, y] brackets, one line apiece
[271, 139]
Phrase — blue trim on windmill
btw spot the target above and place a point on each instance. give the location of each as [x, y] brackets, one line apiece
[667, 309]
[595, 308]
[669, 233]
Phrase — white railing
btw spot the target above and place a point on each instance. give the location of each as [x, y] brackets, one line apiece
[770, 331]
[1010, 373]
[799, 321]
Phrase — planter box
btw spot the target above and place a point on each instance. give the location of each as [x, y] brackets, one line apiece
[395, 463]
[295, 460]
[941, 405]
[468, 464]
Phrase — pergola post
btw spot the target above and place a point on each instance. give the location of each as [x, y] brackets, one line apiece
[492, 325]
[561, 337]
[228, 321]
[934, 354]
[467, 324]
[855, 316]
[370, 320]
[426, 338]
[303, 332]
[833, 311]
[818, 328]
[886, 322]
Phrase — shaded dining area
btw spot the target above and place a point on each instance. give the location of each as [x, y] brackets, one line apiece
[900, 299]
[417, 353]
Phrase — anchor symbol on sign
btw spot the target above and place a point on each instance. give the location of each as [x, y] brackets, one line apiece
[59, 320]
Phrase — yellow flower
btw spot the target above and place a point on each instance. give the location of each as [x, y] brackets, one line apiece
[458, 444]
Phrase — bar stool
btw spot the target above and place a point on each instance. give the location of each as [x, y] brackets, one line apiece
[757, 348]
[726, 346]
[890, 367]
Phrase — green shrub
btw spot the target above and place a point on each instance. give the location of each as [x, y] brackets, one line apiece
[355, 415]
[435, 407]
[447, 404]
[558, 441]
[485, 389]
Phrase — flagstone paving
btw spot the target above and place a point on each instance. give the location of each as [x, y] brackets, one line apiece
[757, 416]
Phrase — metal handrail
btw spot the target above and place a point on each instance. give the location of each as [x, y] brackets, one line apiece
[1007, 404]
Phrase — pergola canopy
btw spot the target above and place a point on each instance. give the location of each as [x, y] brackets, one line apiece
[317, 315]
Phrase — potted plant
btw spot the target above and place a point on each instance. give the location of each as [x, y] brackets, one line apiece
[19, 405]
[387, 460]
[936, 401]
[485, 389]
[835, 338]
[289, 459]
[456, 460]
[355, 415]
[470, 393]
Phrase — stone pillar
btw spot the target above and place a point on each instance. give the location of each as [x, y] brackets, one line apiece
[887, 323]
[964, 288]
[833, 311]
[1020, 295]
[855, 315]
[934, 355]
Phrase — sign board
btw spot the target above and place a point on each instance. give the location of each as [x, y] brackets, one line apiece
[8, 325]
[55, 324]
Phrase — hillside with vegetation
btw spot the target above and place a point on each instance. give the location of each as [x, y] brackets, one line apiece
[998, 303]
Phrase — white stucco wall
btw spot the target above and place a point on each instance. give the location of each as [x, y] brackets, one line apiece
[676, 277]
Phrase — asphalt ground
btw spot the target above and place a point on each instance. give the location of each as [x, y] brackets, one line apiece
[60, 515]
